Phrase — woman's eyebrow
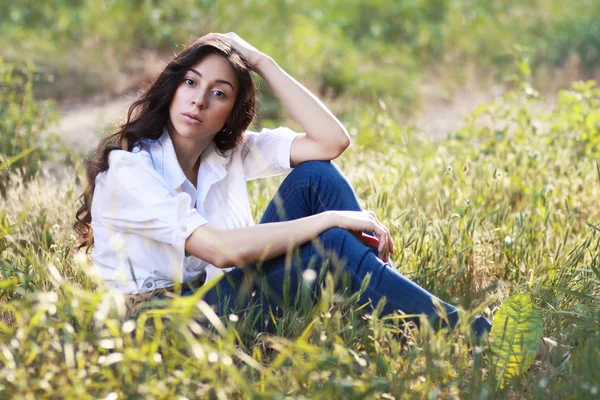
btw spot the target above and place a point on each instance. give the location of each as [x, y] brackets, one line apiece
[216, 80]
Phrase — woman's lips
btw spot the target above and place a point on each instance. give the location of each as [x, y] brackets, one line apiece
[191, 120]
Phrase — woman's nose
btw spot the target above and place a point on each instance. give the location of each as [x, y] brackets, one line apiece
[200, 101]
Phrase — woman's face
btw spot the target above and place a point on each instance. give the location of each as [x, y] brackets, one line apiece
[204, 99]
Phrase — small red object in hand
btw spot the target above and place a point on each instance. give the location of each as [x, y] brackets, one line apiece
[369, 240]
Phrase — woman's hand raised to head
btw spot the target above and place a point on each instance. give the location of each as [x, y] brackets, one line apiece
[249, 52]
[365, 221]
[323, 136]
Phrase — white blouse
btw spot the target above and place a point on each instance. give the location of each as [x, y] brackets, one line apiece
[144, 208]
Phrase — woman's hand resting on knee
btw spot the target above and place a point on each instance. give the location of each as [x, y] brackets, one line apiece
[358, 222]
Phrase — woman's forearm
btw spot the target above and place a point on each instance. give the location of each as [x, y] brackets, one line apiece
[313, 116]
[240, 246]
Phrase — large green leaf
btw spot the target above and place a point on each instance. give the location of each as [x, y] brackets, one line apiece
[515, 337]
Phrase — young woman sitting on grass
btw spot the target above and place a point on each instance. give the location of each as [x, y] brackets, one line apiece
[168, 206]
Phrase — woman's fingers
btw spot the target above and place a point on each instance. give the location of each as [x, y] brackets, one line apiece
[367, 222]
[386, 255]
[383, 248]
[386, 245]
[389, 245]
[250, 53]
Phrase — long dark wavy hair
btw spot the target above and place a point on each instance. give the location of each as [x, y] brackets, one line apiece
[149, 114]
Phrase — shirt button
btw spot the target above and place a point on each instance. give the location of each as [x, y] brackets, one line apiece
[183, 228]
[149, 284]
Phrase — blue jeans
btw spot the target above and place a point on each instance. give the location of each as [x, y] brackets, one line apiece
[274, 285]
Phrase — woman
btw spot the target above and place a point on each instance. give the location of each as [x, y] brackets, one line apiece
[167, 199]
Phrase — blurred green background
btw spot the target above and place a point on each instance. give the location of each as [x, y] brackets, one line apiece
[367, 50]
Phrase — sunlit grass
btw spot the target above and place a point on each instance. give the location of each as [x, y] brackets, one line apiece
[507, 205]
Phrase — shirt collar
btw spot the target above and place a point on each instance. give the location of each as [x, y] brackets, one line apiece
[165, 161]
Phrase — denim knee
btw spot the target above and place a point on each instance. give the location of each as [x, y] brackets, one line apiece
[314, 165]
[318, 168]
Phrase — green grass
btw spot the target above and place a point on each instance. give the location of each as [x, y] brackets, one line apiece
[362, 49]
[507, 205]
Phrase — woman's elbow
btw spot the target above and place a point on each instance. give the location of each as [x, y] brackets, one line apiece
[221, 261]
[215, 257]
[344, 142]
[206, 243]
[340, 148]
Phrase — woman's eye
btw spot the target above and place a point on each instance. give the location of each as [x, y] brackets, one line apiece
[189, 81]
[219, 93]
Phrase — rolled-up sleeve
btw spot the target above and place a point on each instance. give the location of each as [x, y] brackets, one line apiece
[137, 200]
[267, 153]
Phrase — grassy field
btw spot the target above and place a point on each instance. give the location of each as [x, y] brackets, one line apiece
[500, 217]
[507, 205]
